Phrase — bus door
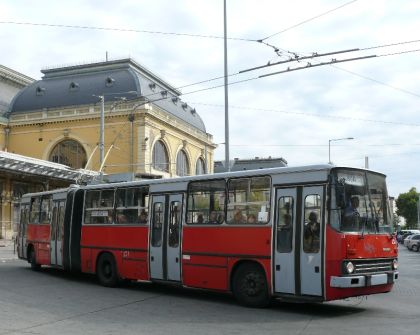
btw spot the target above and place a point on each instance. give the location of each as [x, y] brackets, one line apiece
[22, 232]
[165, 233]
[311, 268]
[298, 241]
[57, 230]
[284, 232]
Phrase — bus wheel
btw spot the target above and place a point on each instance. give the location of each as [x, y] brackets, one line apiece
[32, 261]
[250, 286]
[106, 270]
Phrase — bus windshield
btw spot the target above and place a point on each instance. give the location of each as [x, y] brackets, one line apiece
[359, 202]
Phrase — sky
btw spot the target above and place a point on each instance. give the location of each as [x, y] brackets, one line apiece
[293, 114]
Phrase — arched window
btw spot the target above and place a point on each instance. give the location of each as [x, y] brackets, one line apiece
[70, 153]
[182, 164]
[200, 167]
[160, 157]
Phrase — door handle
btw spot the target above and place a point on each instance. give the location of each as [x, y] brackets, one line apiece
[316, 269]
[277, 267]
[152, 258]
[176, 259]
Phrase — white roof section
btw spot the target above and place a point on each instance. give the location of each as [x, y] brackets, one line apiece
[238, 174]
[15, 76]
[33, 166]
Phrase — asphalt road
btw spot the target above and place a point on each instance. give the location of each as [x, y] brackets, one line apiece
[52, 302]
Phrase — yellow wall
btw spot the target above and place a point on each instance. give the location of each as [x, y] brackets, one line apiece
[35, 135]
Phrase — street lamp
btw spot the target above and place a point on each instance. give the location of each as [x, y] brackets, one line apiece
[418, 210]
[227, 159]
[334, 140]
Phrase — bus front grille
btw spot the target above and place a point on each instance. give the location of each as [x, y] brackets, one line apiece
[372, 265]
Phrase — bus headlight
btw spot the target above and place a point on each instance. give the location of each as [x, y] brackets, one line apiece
[349, 267]
[395, 264]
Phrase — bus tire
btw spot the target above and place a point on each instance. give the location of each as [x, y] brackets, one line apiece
[250, 287]
[32, 260]
[106, 270]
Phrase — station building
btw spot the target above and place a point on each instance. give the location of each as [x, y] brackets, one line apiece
[149, 131]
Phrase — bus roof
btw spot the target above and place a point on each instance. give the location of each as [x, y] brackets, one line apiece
[236, 174]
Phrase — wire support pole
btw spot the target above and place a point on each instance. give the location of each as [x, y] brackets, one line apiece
[101, 131]
[227, 160]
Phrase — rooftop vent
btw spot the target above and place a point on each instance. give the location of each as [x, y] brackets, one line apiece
[40, 90]
[73, 86]
[193, 111]
[184, 105]
[164, 94]
[152, 86]
[109, 82]
[175, 100]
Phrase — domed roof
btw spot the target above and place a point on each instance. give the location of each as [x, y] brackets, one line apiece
[82, 84]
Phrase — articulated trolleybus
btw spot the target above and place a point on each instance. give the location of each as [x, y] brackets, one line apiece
[314, 233]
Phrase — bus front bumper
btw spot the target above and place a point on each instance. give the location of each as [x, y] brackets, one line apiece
[364, 280]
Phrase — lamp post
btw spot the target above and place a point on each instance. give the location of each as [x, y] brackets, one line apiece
[418, 210]
[102, 123]
[334, 140]
[227, 159]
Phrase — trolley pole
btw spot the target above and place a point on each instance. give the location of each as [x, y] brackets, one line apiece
[227, 163]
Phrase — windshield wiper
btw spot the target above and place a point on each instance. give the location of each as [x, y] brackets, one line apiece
[364, 222]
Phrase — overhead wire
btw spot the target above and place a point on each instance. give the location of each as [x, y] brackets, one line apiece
[390, 45]
[313, 114]
[323, 145]
[245, 39]
[130, 30]
[307, 20]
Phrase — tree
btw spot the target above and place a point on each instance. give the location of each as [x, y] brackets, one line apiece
[407, 207]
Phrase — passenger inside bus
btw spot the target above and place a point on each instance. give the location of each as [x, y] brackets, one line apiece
[200, 218]
[351, 216]
[213, 217]
[285, 233]
[143, 216]
[122, 218]
[238, 217]
[109, 219]
[311, 234]
[252, 219]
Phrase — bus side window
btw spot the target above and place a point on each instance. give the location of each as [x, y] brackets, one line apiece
[174, 224]
[157, 224]
[46, 210]
[35, 209]
[132, 205]
[99, 207]
[285, 224]
[206, 202]
[249, 200]
[312, 228]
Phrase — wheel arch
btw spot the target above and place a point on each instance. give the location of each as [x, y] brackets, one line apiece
[29, 248]
[100, 254]
[243, 262]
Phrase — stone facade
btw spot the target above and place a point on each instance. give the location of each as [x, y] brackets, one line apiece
[58, 119]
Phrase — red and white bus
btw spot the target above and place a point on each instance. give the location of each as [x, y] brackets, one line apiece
[313, 233]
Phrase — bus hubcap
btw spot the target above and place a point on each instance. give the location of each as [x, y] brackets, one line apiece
[107, 270]
[251, 284]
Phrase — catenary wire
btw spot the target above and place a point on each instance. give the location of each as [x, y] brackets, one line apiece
[124, 30]
[308, 20]
[311, 114]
